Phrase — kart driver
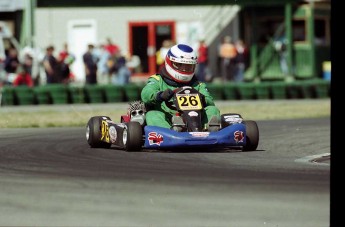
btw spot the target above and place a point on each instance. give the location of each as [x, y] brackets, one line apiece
[178, 71]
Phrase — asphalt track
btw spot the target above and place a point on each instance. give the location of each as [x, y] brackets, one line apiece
[50, 177]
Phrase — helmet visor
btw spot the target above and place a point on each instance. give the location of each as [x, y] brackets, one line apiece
[188, 68]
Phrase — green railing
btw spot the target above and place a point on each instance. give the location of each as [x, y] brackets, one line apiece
[63, 94]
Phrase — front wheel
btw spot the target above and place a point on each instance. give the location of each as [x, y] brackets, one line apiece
[132, 136]
[94, 134]
[252, 136]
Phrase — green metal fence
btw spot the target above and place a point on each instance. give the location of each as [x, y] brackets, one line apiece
[63, 94]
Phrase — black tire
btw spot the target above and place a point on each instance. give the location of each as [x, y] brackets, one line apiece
[252, 136]
[94, 134]
[133, 136]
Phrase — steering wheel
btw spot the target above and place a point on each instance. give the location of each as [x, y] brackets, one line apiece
[171, 102]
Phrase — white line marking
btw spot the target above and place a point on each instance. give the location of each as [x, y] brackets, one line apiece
[313, 159]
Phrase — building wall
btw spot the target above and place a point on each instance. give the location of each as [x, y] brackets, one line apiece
[51, 24]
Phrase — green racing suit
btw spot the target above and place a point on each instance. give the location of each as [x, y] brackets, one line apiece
[159, 114]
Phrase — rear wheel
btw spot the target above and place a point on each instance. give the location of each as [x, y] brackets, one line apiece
[93, 133]
[132, 136]
[252, 136]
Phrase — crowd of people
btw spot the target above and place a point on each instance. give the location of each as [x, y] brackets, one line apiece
[16, 70]
[233, 59]
[106, 64]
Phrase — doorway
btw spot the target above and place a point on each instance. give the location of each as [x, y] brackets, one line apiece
[80, 34]
[145, 38]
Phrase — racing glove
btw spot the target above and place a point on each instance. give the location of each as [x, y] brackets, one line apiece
[164, 95]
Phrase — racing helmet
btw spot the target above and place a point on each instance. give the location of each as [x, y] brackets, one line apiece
[180, 63]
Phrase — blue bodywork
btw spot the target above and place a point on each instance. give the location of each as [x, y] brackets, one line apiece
[230, 136]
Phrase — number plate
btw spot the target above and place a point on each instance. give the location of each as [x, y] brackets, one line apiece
[189, 101]
[105, 132]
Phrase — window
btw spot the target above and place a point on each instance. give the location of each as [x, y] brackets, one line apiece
[298, 30]
[320, 32]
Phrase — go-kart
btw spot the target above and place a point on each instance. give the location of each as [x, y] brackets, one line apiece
[132, 133]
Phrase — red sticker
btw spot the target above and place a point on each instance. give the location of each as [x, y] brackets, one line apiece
[155, 138]
[238, 136]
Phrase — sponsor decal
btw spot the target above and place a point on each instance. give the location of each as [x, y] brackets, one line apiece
[238, 136]
[112, 134]
[185, 61]
[199, 134]
[233, 115]
[233, 119]
[193, 114]
[155, 139]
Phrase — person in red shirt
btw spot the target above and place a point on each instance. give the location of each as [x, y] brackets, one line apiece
[112, 48]
[23, 78]
[202, 61]
[65, 60]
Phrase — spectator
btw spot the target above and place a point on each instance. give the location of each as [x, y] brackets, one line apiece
[50, 65]
[219, 59]
[90, 63]
[103, 69]
[202, 61]
[162, 52]
[65, 60]
[2, 46]
[2, 58]
[64, 52]
[11, 64]
[111, 47]
[32, 59]
[120, 71]
[12, 61]
[133, 63]
[23, 77]
[227, 54]
[280, 44]
[27, 63]
[241, 60]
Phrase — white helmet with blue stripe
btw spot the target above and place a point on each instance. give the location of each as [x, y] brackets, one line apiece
[180, 63]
